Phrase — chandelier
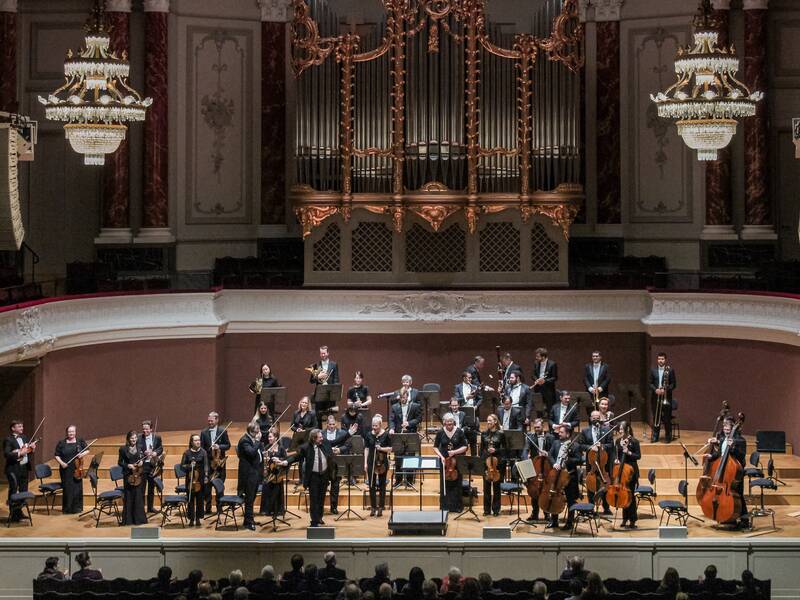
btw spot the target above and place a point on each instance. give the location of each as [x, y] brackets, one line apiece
[707, 99]
[96, 101]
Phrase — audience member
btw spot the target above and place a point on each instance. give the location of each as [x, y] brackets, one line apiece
[671, 582]
[413, 589]
[381, 576]
[575, 569]
[163, 582]
[203, 590]
[681, 596]
[311, 582]
[241, 593]
[575, 589]
[594, 588]
[470, 589]
[385, 592]
[351, 591]
[749, 586]
[453, 581]
[486, 583]
[192, 583]
[429, 590]
[235, 581]
[85, 573]
[293, 580]
[331, 571]
[51, 570]
[368, 595]
[264, 585]
[709, 582]
[539, 590]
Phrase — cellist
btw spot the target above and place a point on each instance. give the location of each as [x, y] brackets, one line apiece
[628, 446]
[565, 456]
[588, 441]
[738, 451]
[539, 444]
[377, 446]
[493, 442]
[195, 462]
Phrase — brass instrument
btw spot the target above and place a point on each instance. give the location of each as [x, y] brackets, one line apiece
[318, 373]
[660, 405]
[257, 385]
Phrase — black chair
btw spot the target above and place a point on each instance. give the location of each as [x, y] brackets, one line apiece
[50, 489]
[675, 508]
[227, 505]
[19, 501]
[180, 475]
[513, 490]
[761, 510]
[105, 503]
[171, 503]
[117, 475]
[647, 492]
[585, 512]
[753, 470]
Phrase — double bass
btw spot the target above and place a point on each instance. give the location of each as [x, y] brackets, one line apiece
[618, 491]
[542, 467]
[552, 498]
[714, 488]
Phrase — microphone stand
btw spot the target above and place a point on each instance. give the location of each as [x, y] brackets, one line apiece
[686, 458]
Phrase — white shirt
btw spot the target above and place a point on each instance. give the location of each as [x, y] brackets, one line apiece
[562, 412]
[212, 434]
[595, 433]
[514, 393]
[724, 446]
[324, 365]
[466, 390]
[320, 463]
[458, 421]
[404, 411]
[507, 419]
[331, 435]
[148, 442]
[596, 372]
[540, 440]
[542, 367]
[24, 459]
[661, 377]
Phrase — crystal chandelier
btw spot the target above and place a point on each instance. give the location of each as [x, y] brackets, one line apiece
[96, 101]
[707, 99]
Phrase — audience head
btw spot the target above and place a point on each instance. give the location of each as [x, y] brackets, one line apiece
[429, 591]
[352, 592]
[195, 577]
[385, 592]
[164, 574]
[83, 559]
[297, 562]
[470, 589]
[311, 572]
[710, 574]
[748, 581]
[382, 570]
[681, 596]
[539, 590]
[575, 586]
[204, 589]
[268, 572]
[368, 595]
[416, 577]
[594, 584]
[330, 559]
[671, 579]
[454, 574]
[576, 564]
[235, 578]
[51, 562]
[241, 593]
[485, 581]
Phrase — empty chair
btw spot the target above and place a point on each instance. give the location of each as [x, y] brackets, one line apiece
[180, 475]
[105, 503]
[228, 505]
[49, 489]
[675, 508]
[647, 492]
[117, 475]
[171, 503]
[584, 512]
[753, 470]
[19, 501]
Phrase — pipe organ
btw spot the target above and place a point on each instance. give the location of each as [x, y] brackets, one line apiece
[439, 126]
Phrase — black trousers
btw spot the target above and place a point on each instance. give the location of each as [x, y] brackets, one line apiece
[133, 505]
[317, 487]
[17, 483]
[71, 491]
[377, 491]
[472, 439]
[195, 508]
[150, 490]
[666, 420]
[491, 496]
[335, 483]
[248, 492]
[592, 495]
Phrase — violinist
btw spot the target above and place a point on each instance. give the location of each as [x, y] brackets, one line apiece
[272, 489]
[265, 379]
[565, 412]
[738, 452]
[662, 381]
[508, 366]
[376, 464]
[17, 449]
[358, 395]
[539, 443]
[545, 375]
[131, 460]
[449, 443]
[263, 419]
[195, 462]
[150, 444]
[336, 438]
[251, 470]
[588, 441]
[493, 442]
[628, 446]
[605, 414]
[468, 393]
[565, 455]
[469, 429]
[510, 417]
[67, 451]
[520, 395]
[474, 370]
[216, 443]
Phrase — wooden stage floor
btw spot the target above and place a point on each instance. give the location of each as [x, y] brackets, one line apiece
[665, 459]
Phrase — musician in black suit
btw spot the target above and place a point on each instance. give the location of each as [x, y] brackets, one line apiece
[627, 448]
[510, 417]
[213, 438]
[539, 444]
[738, 451]
[509, 366]
[405, 417]
[588, 439]
[545, 375]
[324, 372]
[565, 411]
[18, 454]
[470, 429]
[318, 463]
[251, 470]
[475, 369]
[336, 438]
[596, 375]
[467, 392]
[150, 445]
[662, 381]
[406, 386]
[565, 454]
[520, 395]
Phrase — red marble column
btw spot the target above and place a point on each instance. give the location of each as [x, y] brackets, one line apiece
[273, 113]
[609, 202]
[719, 198]
[116, 189]
[155, 209]
[757, 206]
[8, 55]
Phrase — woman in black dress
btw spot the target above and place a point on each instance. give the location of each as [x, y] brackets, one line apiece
[131, 459]
[358, 395]
[263, 419]
[449, 443]
[377, 446]
[72, 489]
[272, 488]
[303, 419]
[627, 448]
[195, 458]
[265, 379]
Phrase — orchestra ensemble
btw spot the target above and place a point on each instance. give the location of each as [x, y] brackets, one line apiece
[528, 434]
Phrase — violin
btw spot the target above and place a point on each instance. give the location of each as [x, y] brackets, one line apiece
[450, 471]
[195, 478]
[552, 498]
[618, 492]
[714, 493]
[134, 477]
[492, 472]
[380, 461]
[273, 471]
[80, 468]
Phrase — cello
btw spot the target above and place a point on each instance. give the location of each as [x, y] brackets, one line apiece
[618, 492]
[597, 461]
[714, 488]
[552, 498]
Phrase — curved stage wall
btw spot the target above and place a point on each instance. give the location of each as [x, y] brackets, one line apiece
[105, 363]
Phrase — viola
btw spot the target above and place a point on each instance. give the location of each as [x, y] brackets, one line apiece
[217, 462]
[450, 471]
[714, 488]
[597, 476]
[195, 478]
[381, 465]
[134, 477]
[80, 468]
[552, 498]
[273, 472]
[618, 492]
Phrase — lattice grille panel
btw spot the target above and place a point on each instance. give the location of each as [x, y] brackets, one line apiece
[372, 247]
[327, 251]
[499, 248]
[544, 251]
[430, 252]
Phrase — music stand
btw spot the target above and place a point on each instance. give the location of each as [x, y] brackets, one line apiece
[492, 396]
[326, 396]
[537, 404]
[272, 397]
[472, 465]
[428, 396]
[353, 465]
[687, 456]
[515, 441]
[356, 448]
[771, 441]
[405, 444]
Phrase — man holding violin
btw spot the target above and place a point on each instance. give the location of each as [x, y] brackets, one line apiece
[376, 464]
[150, 445]
[597, 454]
[215, 441]
[17, 450]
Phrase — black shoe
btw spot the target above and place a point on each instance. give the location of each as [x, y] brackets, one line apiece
[551, 525]
[632, 525]
[250, 526]
[668, 439]
[197, 524]
[623, 525]
[321, 522]
[334, 511]
[314, 524]
[380, 512]
[496, 514]
[372, 512]
[486, 513]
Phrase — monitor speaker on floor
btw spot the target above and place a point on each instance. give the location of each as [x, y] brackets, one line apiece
[321, 533]
[145, 533]
[673, 533]
[497, 533]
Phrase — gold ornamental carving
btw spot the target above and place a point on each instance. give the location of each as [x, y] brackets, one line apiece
[434, 214]
[313, 216]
